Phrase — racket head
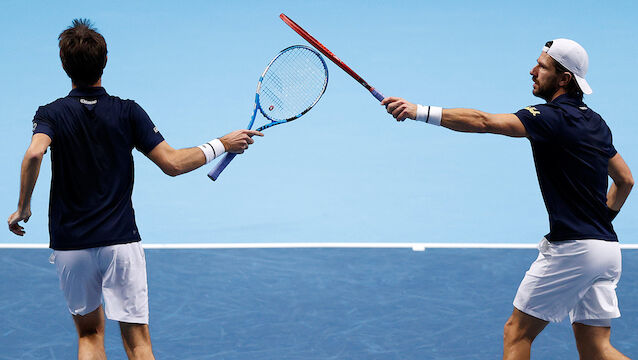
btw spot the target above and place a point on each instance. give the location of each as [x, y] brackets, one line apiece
[324, 50]
[292, 83]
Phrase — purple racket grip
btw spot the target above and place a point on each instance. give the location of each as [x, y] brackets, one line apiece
[377, 94]
[220, 166]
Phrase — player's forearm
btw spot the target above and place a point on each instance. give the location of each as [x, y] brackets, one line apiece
[463, 120]
[618, 194]
[28, 177]
[176, 162]
[185, 160]
[466, 120]
[622, 185]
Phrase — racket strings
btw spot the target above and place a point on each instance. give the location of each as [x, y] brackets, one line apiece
[293, 83]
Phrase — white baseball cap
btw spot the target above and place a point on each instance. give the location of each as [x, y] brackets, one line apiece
[573, 57]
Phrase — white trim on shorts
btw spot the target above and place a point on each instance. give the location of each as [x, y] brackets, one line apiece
[115, 273]
[575, 277]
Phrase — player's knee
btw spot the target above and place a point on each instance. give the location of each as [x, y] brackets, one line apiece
[508, 331]
[513, 332]
[592, 348]
[142, 352]
[89, 329]
[597, 351]
[89, 332]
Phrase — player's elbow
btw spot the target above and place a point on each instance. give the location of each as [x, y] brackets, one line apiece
[484, 123]
[168, 167]
[625, 179]
[174, 168]
[628, 181]
[169, 162]
[171, 170]
[171, 173]
[34, 155]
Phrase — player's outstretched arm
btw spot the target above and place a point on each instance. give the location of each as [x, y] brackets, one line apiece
[28, 177]
[621, 187]
[463, 120]
[175, 162]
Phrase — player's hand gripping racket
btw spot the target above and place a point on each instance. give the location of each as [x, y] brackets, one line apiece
[319, 46]
[291, 84]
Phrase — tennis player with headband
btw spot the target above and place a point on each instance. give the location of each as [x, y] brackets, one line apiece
[579, 261]
[92, 227]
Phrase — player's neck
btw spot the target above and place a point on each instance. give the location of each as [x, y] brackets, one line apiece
[97, 84]
[558, 93]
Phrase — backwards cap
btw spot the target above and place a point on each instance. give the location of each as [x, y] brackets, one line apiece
[573, 57]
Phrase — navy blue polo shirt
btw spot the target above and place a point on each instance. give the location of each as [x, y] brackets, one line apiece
[572, 146]
[93, 135]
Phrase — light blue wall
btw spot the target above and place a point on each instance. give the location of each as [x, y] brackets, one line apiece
[346, 171]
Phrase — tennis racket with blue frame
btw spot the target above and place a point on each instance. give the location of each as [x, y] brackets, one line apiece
[292, 83]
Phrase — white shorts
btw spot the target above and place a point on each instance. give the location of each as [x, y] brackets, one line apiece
[116, 272]
[576, 277]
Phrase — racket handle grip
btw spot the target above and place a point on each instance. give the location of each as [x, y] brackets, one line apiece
[220, 166]
[377, 94]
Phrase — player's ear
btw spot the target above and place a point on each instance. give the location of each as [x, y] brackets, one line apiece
[565, 78]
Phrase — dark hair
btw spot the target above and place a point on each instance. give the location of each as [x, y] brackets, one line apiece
[83, 53]
[572, 88]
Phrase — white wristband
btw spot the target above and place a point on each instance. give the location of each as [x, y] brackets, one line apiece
[212, 149]
[429, 114]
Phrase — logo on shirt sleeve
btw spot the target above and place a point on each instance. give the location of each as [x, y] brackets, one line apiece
[533, 110]
[155, 130]
[35, 125]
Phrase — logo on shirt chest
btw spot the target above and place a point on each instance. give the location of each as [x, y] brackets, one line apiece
[533, 110]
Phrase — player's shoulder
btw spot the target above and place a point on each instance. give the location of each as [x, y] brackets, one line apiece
[126, 107]
[125, 102]
[56, 103]
[53, 107]
[539, 110]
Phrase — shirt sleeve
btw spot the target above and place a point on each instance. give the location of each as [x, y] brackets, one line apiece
[612, 151]
[539, 121]
[609, 148]
[42, 124]
[145, 134]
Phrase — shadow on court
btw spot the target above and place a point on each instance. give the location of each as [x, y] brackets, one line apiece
[305, 304]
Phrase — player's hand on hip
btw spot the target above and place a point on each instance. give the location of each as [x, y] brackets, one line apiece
[16, 217]
[237, 141]
[399, 108]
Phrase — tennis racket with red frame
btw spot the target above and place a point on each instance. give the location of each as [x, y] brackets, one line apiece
[319, 46]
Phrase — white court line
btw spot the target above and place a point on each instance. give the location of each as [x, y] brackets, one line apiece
[356, 245]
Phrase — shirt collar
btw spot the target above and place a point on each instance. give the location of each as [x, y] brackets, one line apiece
[88, 92]
[566, 99]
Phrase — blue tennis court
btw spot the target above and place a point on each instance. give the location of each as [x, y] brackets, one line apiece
[305, 303]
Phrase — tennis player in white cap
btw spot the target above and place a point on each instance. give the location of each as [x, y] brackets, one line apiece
[579, 261]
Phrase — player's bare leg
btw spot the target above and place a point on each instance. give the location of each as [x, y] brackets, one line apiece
[90, 329]
[137, 341]
[593, 343]
[519, 333]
